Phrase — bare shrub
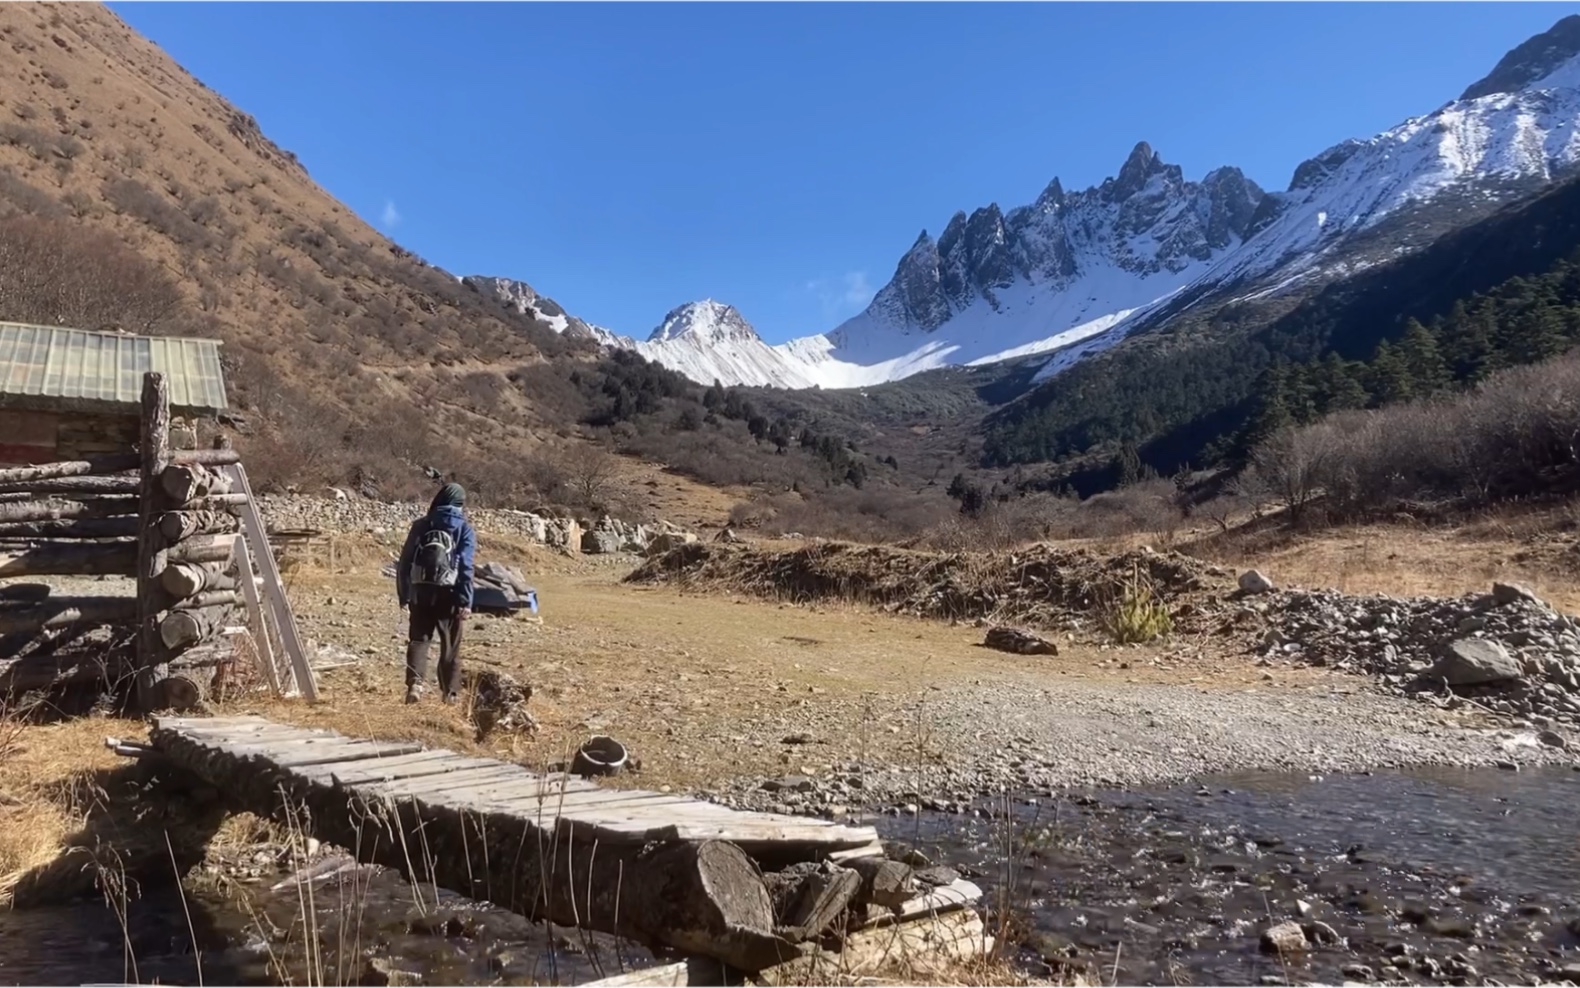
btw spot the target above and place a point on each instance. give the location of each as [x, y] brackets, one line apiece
[17, 195]
[133, 198]
[1295, 464]
[869, 514]
[590, 478]
[58, 273]
[1516, 435]
[1148, 506]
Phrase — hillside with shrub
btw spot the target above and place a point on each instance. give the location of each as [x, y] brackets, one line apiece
[133, 196]
[1493, 293]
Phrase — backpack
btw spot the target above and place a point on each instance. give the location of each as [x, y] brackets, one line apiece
[434, 566]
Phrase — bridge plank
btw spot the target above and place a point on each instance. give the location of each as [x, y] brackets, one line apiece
[434, 761]
[336, 751]
[460, 776]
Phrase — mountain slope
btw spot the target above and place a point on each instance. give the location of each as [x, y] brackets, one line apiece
[346, 356]
[1177, 398]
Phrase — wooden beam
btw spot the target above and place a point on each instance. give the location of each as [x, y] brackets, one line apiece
[213, 502]
[184, 580]
[203, 549]
[111, 558]
[107, 507]
[75, 528]
[205, 457]
[176, 526]
[152, 643]
[57, 612]
[191, 626]
[73, 485]
[183, 483]
[118, 463]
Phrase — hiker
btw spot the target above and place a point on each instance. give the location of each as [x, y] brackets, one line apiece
[434, 578]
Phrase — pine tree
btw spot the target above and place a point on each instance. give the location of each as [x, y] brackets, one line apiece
[1536, 334]
[1127, 465]
[1390, 375]
[1341, 389]
[1423, 361]
[1270, 415]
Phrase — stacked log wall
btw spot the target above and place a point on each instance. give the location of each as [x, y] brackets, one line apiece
[133, 501]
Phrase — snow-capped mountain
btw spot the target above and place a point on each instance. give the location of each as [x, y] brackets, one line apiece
[524, 299]
[709, 341]
[1073, 273]
[1068, 266]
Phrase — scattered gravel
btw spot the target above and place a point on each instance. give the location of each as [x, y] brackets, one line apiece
[1036, 739]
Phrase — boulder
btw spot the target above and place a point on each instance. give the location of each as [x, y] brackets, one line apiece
[667, 540]
[601, 541]
[1253, 581]
[1474, 661]
[1019, 642]
[1513, 593]
[537, 527]
[1285, 938]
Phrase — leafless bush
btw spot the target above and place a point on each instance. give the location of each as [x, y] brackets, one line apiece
[17, 195]
[1147, 506]
[133, 198]
[870, 514]
[590, 477]
[1517, 435]
[1295, 465]
[58, 273]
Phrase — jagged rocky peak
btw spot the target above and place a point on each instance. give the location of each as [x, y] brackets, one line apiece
[1231, 200]
[707, 321]
[1531, 61]
[1134, 174]
[1146, 219]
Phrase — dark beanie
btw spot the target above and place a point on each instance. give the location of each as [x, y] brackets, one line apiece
[449, 494]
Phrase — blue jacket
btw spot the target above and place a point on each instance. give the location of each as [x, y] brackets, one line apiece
[449, 518]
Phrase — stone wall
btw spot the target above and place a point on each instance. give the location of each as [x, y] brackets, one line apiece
[355, 514]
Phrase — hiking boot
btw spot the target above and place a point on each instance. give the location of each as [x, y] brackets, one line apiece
[413, 694]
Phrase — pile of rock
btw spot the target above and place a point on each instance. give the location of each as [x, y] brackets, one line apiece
[1508, 649]
[557, 531]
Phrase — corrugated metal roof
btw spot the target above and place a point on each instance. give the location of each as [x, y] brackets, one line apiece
[49, 367]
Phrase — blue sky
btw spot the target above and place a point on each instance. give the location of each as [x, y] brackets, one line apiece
[626, 158]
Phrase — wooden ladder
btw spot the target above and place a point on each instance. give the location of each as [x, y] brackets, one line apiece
[252, 546]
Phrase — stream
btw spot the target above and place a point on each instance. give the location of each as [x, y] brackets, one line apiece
[1425, 877]
[1452, 876]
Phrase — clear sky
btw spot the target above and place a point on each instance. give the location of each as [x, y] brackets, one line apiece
[626, 158]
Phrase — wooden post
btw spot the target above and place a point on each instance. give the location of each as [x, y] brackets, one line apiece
[154, 447]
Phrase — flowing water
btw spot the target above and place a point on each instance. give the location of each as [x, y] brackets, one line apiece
[1425, 877]
[1421, 877]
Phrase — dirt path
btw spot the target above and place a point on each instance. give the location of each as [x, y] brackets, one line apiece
[717, 693]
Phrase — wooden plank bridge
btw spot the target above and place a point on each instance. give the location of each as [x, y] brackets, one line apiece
[750, 890]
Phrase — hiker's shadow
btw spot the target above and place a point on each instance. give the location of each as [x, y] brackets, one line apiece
[143, 825]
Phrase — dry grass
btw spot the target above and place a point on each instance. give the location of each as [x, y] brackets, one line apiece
[46, 779]
[1540, 548]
